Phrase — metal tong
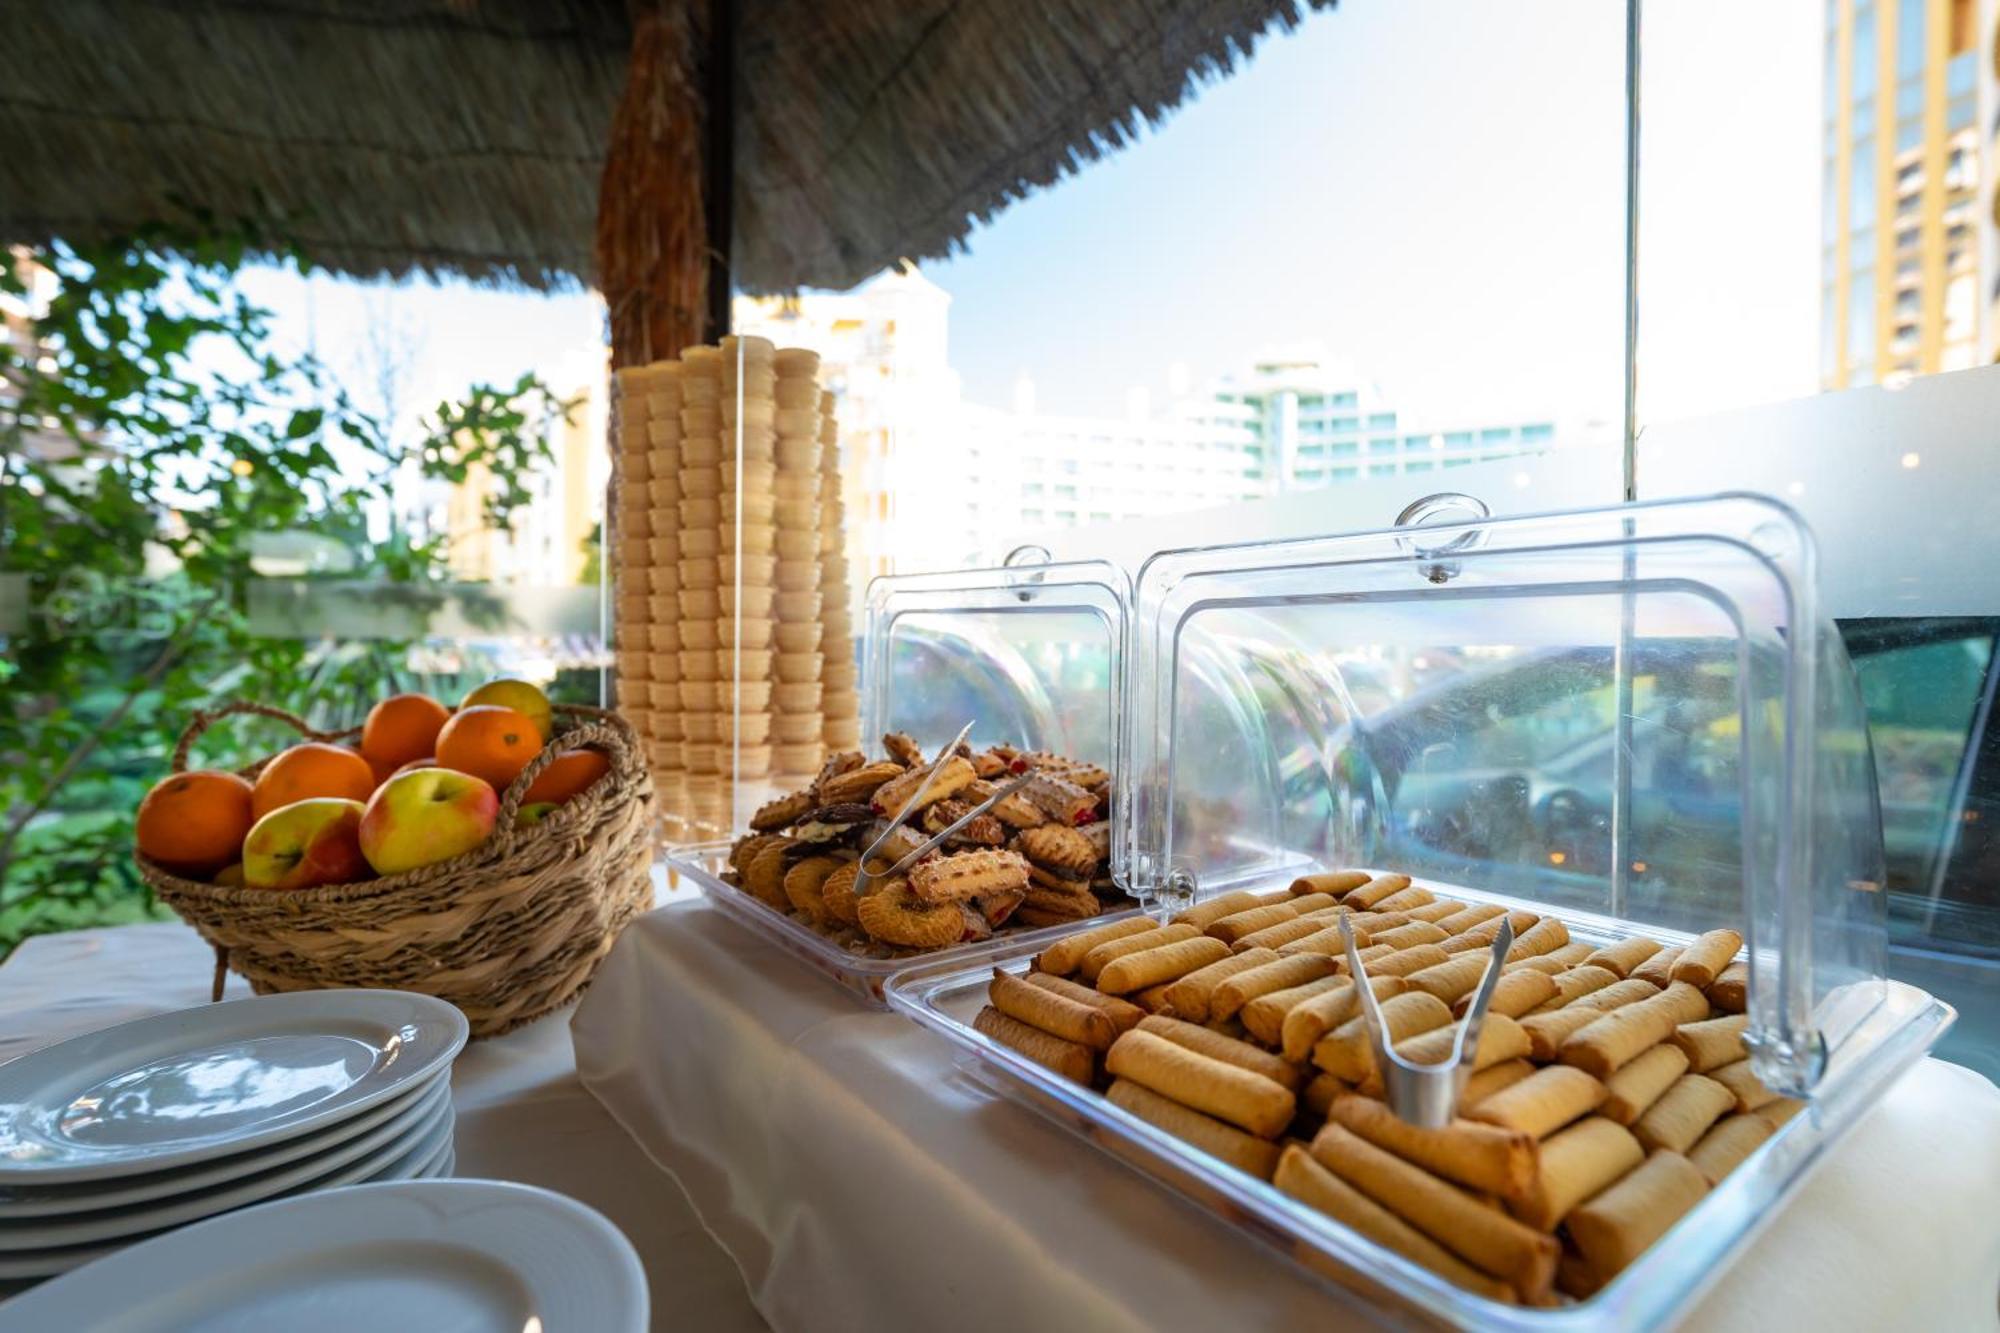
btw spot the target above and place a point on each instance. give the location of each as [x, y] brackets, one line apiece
[1426, 1095]
[863, 876]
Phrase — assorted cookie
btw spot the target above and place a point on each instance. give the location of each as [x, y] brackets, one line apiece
[1024, 863]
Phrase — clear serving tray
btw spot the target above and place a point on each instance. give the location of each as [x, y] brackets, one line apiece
[867, 978]
[1662, 1283]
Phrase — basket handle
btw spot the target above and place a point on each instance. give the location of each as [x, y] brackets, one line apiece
[204, 720]
[596, 730]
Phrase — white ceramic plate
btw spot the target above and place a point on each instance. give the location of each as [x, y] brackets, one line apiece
[446, 1256]
[214, 1080]
[406, 1161]
[186, 1180]
[357, 1159]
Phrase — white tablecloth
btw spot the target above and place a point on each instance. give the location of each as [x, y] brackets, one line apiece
[522, 1115]
[860, 1181]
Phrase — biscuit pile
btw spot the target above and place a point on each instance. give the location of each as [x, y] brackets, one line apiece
[1612, 1087]
[1037, 858]
[644, 524]
[731, 592]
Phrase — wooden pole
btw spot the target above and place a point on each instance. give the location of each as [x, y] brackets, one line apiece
[654, 259]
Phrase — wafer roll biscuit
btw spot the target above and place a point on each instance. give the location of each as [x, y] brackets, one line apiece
[1573, 1165]
[1335, 882]
[1615, 1227]
[1373, 921]
[1232, 928]
[1375, 890]
[1726, 1144]
[1633, 1089]
[1153, 999]
[1624, 1032]
[1099, 958]
[1683, 1113]
[1448, 980]
[1297, 928]
[901, 793]
[1778, 1110]
[1576, 983]
[1229, 1050]
[1704, 960]
[1189, 996]
[1482, 935]
[1245, 1152]
[1440, 909]
[1545, 936]
[1058, 1015]
[1264, 1016]
[1658, 969]
[1500, 1040]
[1318, 1094]
[1159, 965]
[1545, 963]
[1063, 957]
[1575, 1277]
[1309, 1020]
[1070, 1059]
[1227, 904]
[1547, 1032]
[1515, 994]
[1625, 955]
[1712, 1042]
[1304, 1179]
[1414, 932]
[1542, 1103]
[1615, 996]
[1122, 1013]
[1494, 1078]
[1469, 916]
[1481, 1157]
[1572, 954]
[1749, 1092]
[1228, 1092]
[1409, 899]
[1484, 1237]
[1239, 990]
[1328, 944]
[1730, 991]
[1403, 962]
[1347, 1055]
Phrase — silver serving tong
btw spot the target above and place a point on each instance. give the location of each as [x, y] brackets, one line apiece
[1426, 1095]
[862, 876]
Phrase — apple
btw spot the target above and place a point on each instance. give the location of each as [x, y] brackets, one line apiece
[309, 842]
[424, 816]
[520, 696]
[534, 812]
[230, 876]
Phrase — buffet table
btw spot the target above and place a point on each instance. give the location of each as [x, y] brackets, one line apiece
[859, 1179]
[522, 1115]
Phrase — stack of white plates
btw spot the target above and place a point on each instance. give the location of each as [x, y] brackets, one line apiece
[121, 1134]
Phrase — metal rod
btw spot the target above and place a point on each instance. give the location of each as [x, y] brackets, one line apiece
[1631, 441]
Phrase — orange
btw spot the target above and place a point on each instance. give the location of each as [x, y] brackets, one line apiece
[520, 696]
[382, 774]
[569, 773]
[314, 769]
[488, 742]
[195, 822]
[401, 728]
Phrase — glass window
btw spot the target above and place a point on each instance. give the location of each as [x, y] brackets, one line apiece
[1537, 433]
[1910, 100]
[1909, 134]
[1960, 75]
[1861, 65]
[1494, 434]
[1910, 50]
[1861, 184]
[1381, 446]
[1455, 438]
[1861, 316]
[1343, 448]
[1381, 469]
[1343, 400]
[1419, 465]
[1382, 421]
[1344, 424]
[1343, 473]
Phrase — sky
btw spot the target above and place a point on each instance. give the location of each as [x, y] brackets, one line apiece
[1428, 190]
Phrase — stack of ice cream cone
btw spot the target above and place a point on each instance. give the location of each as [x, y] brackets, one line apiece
[840, 700]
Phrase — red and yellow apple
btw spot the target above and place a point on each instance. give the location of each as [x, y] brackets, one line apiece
[520, 696]
[424, 816]
[309, 842]
[534, 812]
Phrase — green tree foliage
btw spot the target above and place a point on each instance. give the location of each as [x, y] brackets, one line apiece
[150, 440]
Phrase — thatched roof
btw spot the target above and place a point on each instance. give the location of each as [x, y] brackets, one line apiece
[467, 136]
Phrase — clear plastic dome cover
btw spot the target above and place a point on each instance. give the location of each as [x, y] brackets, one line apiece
[1631, 715]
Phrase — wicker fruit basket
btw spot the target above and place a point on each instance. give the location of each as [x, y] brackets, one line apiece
[507, 932]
